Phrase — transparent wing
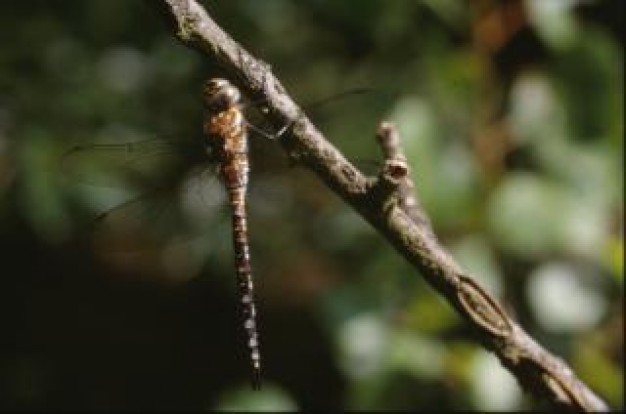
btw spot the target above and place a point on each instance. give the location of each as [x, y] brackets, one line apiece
[352, 119]
[139, 192]
[330, 107]
[120, 164]
[193, 208]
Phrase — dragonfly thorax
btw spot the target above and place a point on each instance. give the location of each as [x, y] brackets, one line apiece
[219, 95]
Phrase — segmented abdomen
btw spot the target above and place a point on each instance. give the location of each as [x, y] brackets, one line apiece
[228, 138]
[245, 283]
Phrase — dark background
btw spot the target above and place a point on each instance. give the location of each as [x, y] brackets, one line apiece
[510, 114]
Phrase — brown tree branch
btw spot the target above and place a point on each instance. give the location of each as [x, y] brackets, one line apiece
[394, 212]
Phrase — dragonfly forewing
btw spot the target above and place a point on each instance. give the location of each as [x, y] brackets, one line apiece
[142, 161]
[161, 191]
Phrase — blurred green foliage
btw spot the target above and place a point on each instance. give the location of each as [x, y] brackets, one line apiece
[510, 114]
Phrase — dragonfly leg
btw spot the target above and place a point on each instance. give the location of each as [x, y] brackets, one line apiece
[264, 133]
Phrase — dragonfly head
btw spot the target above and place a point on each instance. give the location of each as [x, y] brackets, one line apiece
[220, 94]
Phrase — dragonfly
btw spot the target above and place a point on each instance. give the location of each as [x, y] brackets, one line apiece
[226, 143]
[149, 218]
[226, 131]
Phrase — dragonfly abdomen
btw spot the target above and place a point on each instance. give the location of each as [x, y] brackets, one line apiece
[225, 127]
[245, 284]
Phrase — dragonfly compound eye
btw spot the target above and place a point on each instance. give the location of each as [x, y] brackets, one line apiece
[219, 95]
